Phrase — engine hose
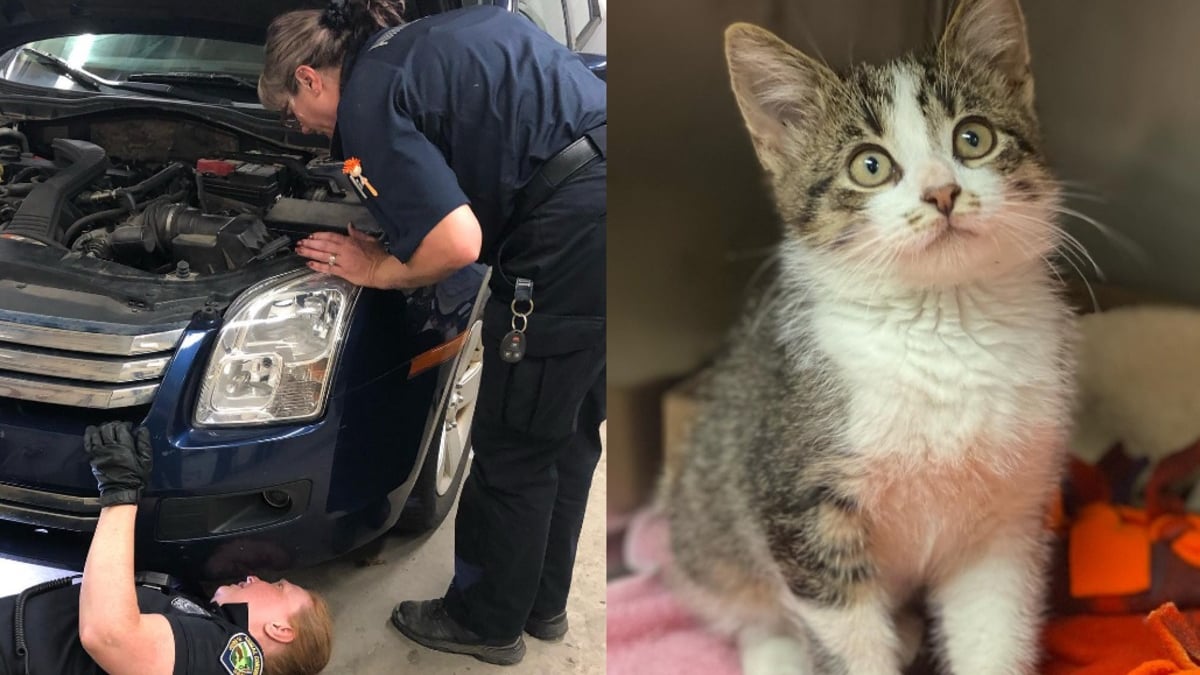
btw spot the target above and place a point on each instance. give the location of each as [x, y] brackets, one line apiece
[21, 190]
[157, 179]
[19, 613]
[83, 223]
[9, 132]
[25, 173]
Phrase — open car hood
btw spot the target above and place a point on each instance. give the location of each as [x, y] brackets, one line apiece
[24, 21]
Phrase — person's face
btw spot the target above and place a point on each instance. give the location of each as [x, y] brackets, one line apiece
[271, 605]
[314, 104]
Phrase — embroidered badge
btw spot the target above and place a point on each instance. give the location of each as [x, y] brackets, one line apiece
[242, 656]
[187, 606]
[353, 168]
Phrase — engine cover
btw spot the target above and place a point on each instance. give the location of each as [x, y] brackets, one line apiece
[40, 216]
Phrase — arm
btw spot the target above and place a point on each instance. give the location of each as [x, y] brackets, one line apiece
[452, 244]
[112, 628]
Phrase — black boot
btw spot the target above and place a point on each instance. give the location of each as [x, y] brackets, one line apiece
[551, 629]
[427, 623]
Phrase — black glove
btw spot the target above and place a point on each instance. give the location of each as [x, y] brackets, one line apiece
[120, 463]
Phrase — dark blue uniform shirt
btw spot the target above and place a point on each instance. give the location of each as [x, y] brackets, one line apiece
[208, 639]
[458, 108]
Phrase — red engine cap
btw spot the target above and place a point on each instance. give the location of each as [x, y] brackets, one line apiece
[216, 167]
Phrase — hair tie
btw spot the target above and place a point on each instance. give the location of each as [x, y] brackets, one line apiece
[336, 17]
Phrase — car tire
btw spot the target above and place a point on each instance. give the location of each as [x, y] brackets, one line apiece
[449, 451]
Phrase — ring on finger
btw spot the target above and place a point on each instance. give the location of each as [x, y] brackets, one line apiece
[332, 259]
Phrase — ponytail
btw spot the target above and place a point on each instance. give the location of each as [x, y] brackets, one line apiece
[319, 39]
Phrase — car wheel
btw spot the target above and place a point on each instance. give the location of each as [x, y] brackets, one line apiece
[450, 449]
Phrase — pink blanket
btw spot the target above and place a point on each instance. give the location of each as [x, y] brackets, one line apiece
[649, 631]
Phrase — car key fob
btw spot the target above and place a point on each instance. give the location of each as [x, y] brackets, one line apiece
[512, 347]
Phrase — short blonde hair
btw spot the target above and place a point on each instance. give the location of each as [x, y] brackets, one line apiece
[309, 652]
[319, 39]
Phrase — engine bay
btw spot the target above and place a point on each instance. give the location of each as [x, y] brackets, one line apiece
[167, 195]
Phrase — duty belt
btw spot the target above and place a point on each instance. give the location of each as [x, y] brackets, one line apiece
[556, 170]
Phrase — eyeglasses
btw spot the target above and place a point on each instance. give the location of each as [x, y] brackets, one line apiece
[287, 118]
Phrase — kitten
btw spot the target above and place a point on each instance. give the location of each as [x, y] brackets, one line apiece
[890, 426]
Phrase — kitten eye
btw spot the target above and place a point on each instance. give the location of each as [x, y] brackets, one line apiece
[871, 167]
[973, 138]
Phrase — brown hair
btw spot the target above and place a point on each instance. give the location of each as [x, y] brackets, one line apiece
[319, 39]
[309, 652]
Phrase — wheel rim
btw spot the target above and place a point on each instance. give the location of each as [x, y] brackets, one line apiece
[460, 410]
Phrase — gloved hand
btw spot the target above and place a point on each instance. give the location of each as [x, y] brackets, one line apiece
[121, 459]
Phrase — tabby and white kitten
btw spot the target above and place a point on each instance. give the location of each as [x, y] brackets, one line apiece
[891, 426]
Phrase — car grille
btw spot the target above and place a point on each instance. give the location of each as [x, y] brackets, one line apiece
[82, 369]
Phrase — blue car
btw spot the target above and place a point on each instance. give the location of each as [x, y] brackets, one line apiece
[148, 206]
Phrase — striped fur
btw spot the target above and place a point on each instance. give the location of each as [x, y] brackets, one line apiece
[886, 425]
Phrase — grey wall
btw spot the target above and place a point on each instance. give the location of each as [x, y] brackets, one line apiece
[1119, 95]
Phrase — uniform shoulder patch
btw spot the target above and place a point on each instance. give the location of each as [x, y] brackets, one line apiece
[242, 656]
[188, 607]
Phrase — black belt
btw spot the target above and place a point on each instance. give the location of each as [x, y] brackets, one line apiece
[556, 170]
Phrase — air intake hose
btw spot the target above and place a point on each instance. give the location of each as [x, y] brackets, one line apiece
[209, 243]
[41, 214]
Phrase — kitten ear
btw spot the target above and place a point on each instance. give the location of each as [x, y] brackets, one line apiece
[992, 32]
[778, 89]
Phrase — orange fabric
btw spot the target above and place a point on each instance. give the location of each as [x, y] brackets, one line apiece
[1161, 668]
[1161, 644]
[1107, 554]
[1176, 633]
[1097, 645]
[1187, 546]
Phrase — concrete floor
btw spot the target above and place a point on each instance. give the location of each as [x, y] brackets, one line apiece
[361, 594]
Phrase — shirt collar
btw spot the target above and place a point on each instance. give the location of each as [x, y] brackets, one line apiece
[237, 613]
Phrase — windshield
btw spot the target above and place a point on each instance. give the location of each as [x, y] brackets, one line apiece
[120, 57]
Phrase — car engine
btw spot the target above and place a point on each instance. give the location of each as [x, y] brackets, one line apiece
[178, 215]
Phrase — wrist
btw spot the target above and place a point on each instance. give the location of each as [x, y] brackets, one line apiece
[390, 273]
[116, 496]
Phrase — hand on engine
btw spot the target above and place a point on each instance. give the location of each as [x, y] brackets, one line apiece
[356, 258]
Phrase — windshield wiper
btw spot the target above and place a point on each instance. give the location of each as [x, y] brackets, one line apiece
[61, 67]
[99, 84]
[195, 77]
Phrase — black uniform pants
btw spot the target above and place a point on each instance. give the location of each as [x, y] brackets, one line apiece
[536, 431]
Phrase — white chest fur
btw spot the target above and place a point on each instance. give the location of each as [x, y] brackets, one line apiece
[957, 407]
[947, 375]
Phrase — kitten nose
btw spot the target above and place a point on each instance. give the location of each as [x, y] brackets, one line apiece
[942, 197]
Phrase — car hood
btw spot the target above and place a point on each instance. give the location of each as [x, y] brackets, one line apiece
[24, 21]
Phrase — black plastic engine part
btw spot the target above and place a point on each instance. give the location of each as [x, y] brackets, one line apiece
[10, 136]
[298, 170]
[257, 184]
[24, 168]
[41, 215]
[208, 243]
[303, 217]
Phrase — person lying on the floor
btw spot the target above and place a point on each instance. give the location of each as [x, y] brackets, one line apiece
[108, 623]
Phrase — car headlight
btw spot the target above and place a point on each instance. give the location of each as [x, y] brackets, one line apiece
[275, 354]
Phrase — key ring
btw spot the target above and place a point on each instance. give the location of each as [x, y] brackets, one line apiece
[524, 322]
[513, 307]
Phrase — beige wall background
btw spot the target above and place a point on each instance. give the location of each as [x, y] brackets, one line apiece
[1119, 97]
